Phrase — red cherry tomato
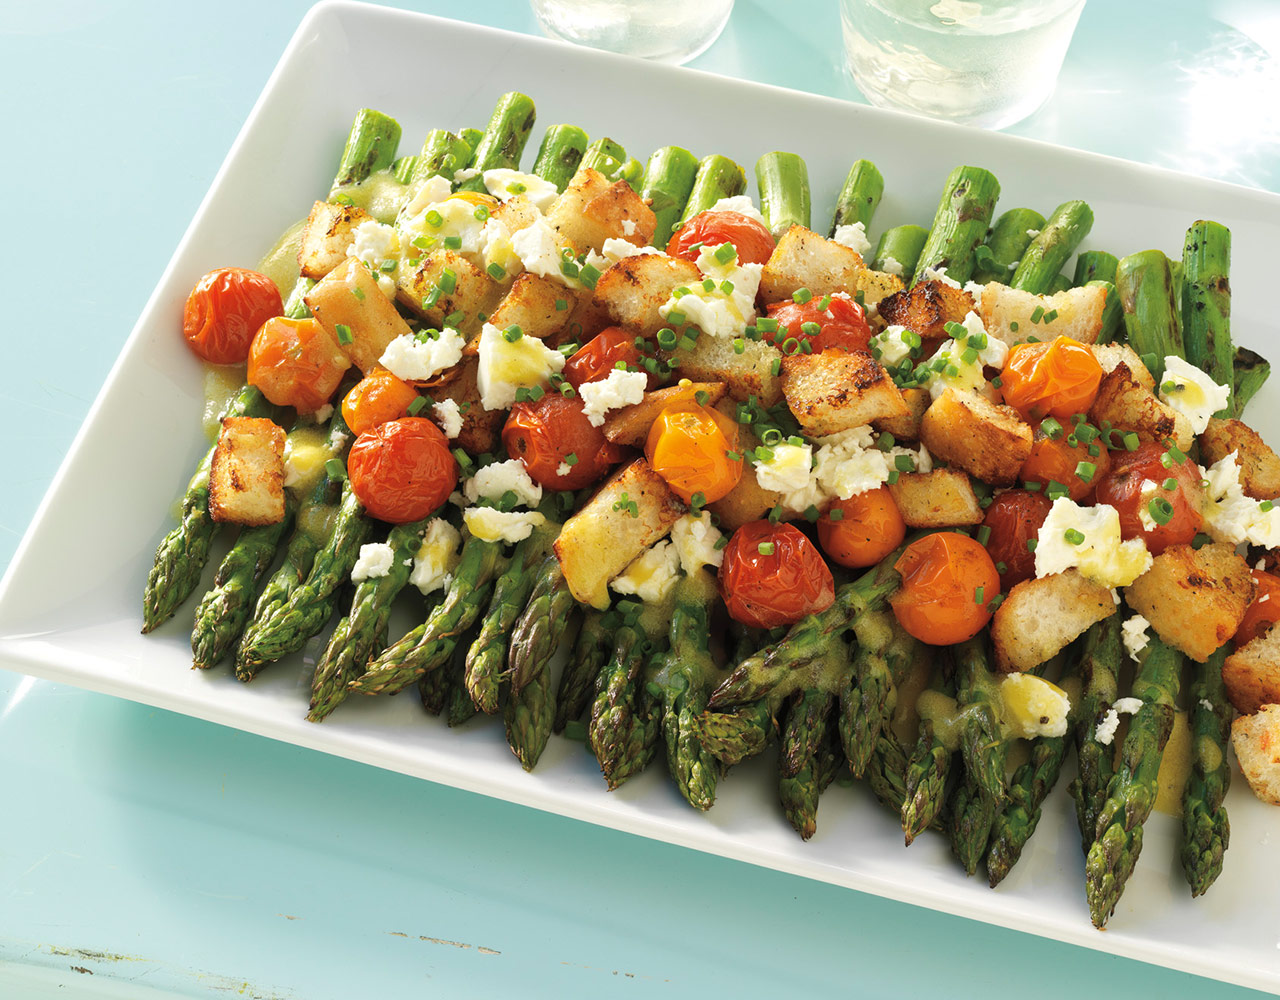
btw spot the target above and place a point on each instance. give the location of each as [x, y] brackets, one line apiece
[1264, 611]
[600, 355]
[842, 324]
[752, 240]
[948, 582]
[689, 446]
[552, 431]
[1057, 460]
[402, 470]
[1122, 489]
[1014, 518]
[868, 528]
[225, 310]
[378, 397]
[1057, 380]
[296, 362]
[773, 575]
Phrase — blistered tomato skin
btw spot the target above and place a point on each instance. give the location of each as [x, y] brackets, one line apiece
[402, 470]
[1264, 611]
[1058, 381]
[692, 447]
[600, 355]
[1122, 489]
[1056, 460]
[552, 431]
[1014, 518]
[843, 324]
[753, 241]
[948, 581]
[378, 397]
[225, 309]
[777, 586]
[868, 527]
[296, 362]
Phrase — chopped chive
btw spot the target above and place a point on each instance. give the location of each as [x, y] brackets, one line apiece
[1051, 428]
[512, 333]
[733, 456]
[496, 271]
[725, 252]
[801, 295]
[388, 265]
[1169, 484]
[708, 284]
[417, 405]
[667, 339]
[824, 303]
[344, 333]
[765, 548]
[977, 594]
[775, 514]
[1013, 326]
[1161, 510]
[702, 396]
[452, 242]
[434, 219]
[335, 469]
[984, 534]
[1037, 314]
[1131, 441]
[1050, 316]
[589, 275]
[1085, 471]
[776, 367]
[835, 514]
[1055, 489]
[739, 345]
[893, 477]
[1201, 540]
[904, 463]
[1002, 568]
[561, 305]
[481, 214]
[726, 286]
[431, 298]
[767, 324]
[448, 281]
[1031, 544]
[885, 441]
[358, 293]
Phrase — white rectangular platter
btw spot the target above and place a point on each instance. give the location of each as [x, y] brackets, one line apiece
[71, 612]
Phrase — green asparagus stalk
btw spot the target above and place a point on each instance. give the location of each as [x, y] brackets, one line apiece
[1250, 372]
[1099, 667]
[1206, 303]
[960, 223]
[626, 720]
[887, 772]
[605, 155]
[435, 686]
[801, 768]
[631, 171]
[982, 742]
[667, 181]
[884, 654]
[295, 306]
[735, 735]
[402, 169]
[783, 182]
[998, 257]
[459, 707]
[591, 651]
[858, 199]
[504, 138]
[717, 177]
[472, 137]
[443, 154]
[559, 155]
[1206, 830]
[969, 824]
[1059, 283]
[899, 249]
[1049, 252]
[1145, 284]
[1095, 265]
[1112, 313]
[371, 146]
[928, 764]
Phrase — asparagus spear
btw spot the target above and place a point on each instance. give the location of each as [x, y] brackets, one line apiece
[1099, 666]
[604, 155]
[666, 184]
[899, 249]
[1206, 303]
[969, 823]
[858, 199]
[625, 719]
[1112, 313]
[1250, 371]
[1012, 233]
[560, 153]
[1145, 284]
[734, 736]
[472, 137]
[1096, 265]
[1049, 252]
[807, 738]
[984, 749]
[717, 177]
[371, 146]
[1205, 828]
[504, 138]
[887, 772]
[885, 653]
[591, 651]
[783, 181]
[960, 223]
[443, 154]
[1131, 793]
[929, 763]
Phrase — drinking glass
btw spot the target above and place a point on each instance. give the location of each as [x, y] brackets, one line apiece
[670, 31]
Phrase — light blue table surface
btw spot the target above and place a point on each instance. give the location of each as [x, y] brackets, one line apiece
[147, 854]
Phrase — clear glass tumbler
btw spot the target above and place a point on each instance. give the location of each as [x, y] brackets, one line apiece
[670, 31]
[989, 63]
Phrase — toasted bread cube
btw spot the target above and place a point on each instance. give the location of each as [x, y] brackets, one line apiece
[630, 425]
[349, 296]
[531, 303]
[751, 373]
[246, 478]
[966, 429]
[592, 210]
[927, 307]
[943, 498]
[1129, 405]
[1252, 673]
[599, 541]
[516, 213]
[1111, 355]
[1256, 739]
[1194, 599]
[1076, 313]
[328, 234]
[907, 426]
[633, 290]
[1041, 615]
[481, 428]
[803, 259]
[473, 291]
[1259, 465]
[837, 390]
[876, 286]
[748, 501]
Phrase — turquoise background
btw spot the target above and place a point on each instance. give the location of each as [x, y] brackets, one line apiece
[147, 854]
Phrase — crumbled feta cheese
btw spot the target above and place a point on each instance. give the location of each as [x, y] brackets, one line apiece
[1134, 633]
[505, 184]
[1105, 733]
[373, 243]
[854, 237]
[1032, 233]
[724, 310]
[437, 556]
[540, 252]
[1191, 392]
[386, 284]
[849, 463]
[1230, 516]
[939, 274]
[742, 204]
[1206, 704]
[1127, 706]
[466, 174]
[416, 357]
[492, 481]
[617, 389]
[891, 265]
[374, 561]
[449, 416]
[628, 229]
[695, 539]
[322, 415]
[616, 249]
[787, 470]
[975, 291]
[491, 525]
[564, 469]
[1100, 556]
[496, 247]
[1032, 706]
[894, 344]
[1146, 493]
[434, 188]
[506, 366]
[651, 574]
[452, 217]
[963, 367]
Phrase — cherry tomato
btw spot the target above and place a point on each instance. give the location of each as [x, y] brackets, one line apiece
[378, 397]
[689, 445]
[1055, 381]
[948, 582]
[477, 198]
[600, 355]
[842, 324]
[1014, 518]
[225, 310]
[552, 431]
[752, 240]
[1122, 489]
[402, 470]
[1264, 611]
[869, 527]
[1057, 460]
[296, 362]
[773, 575]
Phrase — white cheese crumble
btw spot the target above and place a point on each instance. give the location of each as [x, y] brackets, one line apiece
[894, 344]
[322, 415]
[1100, 555]
[615, 390]
[652, 574]
[374, 561]
[695, 539]
[1146, 493]
[506, 366]
[849, 463]
[492, 481]
[1134, 633]
[1230, 516]
[1033, 706]
[1105, 732]
[1206, 704]
[787, 469]
[564, 469]
[373, 243]
[452, 217]
[891, 265]
[854, 237]
[1032, 233]
[466, 174]
[724, 309]
[939, 274]
[416, 357]
[628, 229]
[960, 368]
[434, 188]
[1127, 706]
[437, 556]
[491, 525]
[742, 204]
[540, 252]
[505, 184]
[449, 416]
[1191, 392]
[616, 249]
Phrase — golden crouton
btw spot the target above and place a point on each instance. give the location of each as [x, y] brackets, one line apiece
[1256, 739]
[480, 427]
[1194, 599]
[1111, 355]
[907, 427]
[328, 234]
[1128, 405]
[967, 430]
[602, 538]
[630, 425]
[246, 479]
[748, 501]
[927, 307]
[531, 304]
[803, 259]
[837, 390]
[1252, 673]
[592, 210]
[1041, 615]
[348, 296]
[1259, 465]
[635, 288]
[1076, 313]
[445, 283]
[751, 373]
[876, 286]
[943, 498]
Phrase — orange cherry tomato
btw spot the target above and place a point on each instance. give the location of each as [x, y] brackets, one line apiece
[600, 355]
[1014, 518]
[843, 324]
[1055, 381]
[478, 198]
[773, 575]
[869, 527]
[552, 431]
[402, 470]
[378, 397]
[689, 445]
[1264, 611]
[948, 582]
[224, 311]
[296, 362]
[1057, 460]
[752, 240]
[1122, 489]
